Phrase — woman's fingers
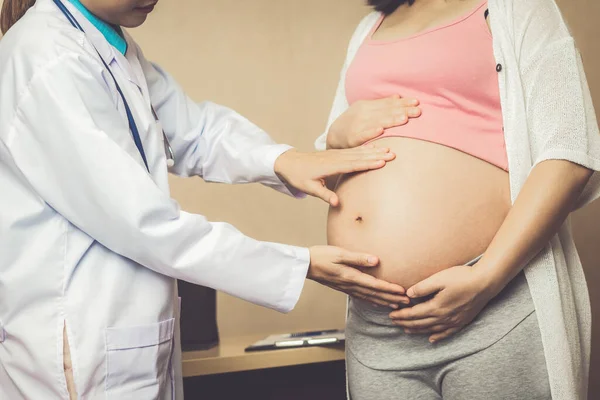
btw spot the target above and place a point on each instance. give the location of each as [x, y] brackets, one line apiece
[381, 114]
[417, 312]
[427, 287]
[427, 331]
[444, 335]
[398, 117]
[395, 102]
[396, 111]
[391, 120]
[369, 134]
[413, 112]
[417, 324]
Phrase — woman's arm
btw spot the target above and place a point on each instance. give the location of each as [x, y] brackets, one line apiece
[547, 198]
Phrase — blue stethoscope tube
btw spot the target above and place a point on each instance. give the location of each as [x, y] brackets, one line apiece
[132, 125]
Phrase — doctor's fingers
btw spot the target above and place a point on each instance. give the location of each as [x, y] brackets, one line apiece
[369, 284]
[356, 160]
[368, 152]
[378, 297]
[373, 300]
[319, 190]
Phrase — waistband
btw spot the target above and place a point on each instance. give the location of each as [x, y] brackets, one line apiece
[379, 344]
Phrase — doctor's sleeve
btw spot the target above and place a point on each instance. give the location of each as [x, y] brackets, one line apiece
[67, 140]
[210, 140]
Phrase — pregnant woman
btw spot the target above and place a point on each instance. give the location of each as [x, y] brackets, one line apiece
[503, 147]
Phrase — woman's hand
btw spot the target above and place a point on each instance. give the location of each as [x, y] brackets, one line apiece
[367, 119]
[460, 295]
[307, 171]
[337, 269]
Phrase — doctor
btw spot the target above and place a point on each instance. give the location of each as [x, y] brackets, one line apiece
[91, 242]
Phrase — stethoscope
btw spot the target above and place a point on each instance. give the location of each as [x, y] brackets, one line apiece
[132, 126]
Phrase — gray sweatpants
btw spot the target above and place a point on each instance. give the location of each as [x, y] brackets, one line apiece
[513, 368]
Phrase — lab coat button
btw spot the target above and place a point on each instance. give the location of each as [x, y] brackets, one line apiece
[498, 67]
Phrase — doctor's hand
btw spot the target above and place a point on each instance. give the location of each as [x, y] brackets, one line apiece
[460, 295]
[367, 119]
[337, 268]
[307, 171]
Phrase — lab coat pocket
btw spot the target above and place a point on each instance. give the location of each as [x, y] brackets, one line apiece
[138, 360]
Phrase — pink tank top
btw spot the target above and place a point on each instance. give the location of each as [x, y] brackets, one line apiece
[452, 71]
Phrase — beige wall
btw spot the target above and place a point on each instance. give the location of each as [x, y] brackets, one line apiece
[277, 62]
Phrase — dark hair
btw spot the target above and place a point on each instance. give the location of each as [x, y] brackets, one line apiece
[12, 11]
[388, 6]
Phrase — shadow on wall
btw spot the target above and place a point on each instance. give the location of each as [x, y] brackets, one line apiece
[586, 225]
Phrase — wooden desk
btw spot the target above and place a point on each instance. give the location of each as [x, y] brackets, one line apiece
[230, 356]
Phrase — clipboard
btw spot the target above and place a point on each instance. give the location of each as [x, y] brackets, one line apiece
[299, 339]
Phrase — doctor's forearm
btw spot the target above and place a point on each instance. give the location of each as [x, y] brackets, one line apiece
[545, 201]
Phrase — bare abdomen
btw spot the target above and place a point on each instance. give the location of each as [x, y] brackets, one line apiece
[430, 209]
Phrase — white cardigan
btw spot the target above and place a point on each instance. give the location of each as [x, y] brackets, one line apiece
[548, 114]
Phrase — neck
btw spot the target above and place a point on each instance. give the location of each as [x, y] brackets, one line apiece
[113, 34]
[91, 7]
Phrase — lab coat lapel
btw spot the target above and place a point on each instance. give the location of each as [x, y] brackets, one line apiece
[111, 56]
[105, 50]
[133, 88]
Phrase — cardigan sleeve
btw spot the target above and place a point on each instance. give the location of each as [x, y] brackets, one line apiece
[561, 119]
[340, 103]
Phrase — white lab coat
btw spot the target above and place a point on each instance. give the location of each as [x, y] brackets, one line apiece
[90, 239]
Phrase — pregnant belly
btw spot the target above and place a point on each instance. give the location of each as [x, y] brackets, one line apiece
[432, 208]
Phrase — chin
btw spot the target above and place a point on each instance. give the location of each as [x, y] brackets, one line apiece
[133, 21]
